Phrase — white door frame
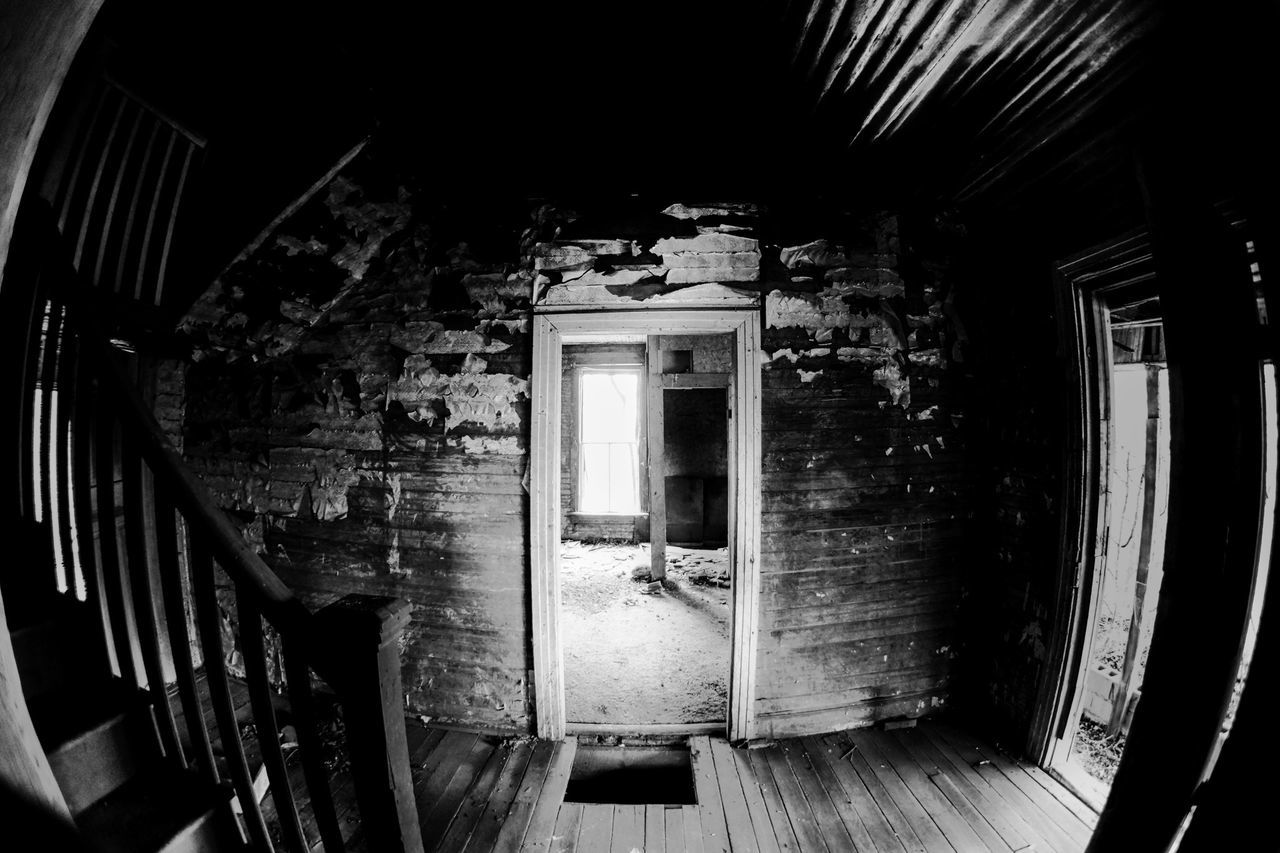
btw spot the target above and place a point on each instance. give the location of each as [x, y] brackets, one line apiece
[550, 332]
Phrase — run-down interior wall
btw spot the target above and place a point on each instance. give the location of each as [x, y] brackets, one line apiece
[359, 398]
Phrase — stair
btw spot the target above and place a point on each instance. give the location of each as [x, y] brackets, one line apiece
[101, 739]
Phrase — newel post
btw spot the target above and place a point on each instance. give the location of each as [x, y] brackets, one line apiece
[362, 632]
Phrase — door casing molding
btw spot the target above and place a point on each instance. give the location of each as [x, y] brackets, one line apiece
[551, 332]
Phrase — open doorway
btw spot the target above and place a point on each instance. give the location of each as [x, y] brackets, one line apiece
[553, 503]
[645, 595]
[1114, 514]
[1128, 568]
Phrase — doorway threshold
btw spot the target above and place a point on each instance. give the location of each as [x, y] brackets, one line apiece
[645, 728]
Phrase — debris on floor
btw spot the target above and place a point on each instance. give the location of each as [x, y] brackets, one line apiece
[639, 650]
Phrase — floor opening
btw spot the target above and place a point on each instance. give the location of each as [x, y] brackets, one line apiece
[631, 775]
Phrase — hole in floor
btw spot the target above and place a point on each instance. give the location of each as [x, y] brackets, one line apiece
[631, 775]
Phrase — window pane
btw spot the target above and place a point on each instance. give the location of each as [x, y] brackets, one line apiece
[594, 480]
[610, 406]
[622, 478]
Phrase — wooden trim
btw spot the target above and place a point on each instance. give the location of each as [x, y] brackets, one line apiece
[645, 728]
[655, 454]
[744, 520]
[544, 530]
[550, 333]
[676, 381]
[1083, 284]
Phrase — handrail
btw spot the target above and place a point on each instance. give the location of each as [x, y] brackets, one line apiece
[108, 434]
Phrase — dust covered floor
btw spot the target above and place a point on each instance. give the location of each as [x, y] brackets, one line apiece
[635, 654]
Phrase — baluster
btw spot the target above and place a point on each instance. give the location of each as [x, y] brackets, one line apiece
[82, 471]
[264, 718]
[209, 619]
[47, 487]
[298, 674]
[166, 532]
[65, 383]
[29, 367]
[112, 571]
[139, 521]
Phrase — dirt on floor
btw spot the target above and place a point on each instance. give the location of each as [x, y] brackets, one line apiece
[643, 652]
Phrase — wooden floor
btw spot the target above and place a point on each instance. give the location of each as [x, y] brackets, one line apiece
[932, 788]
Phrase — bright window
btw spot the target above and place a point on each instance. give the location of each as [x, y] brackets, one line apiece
[609, 441]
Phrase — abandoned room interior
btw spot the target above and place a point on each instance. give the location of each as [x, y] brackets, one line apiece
[793, 425]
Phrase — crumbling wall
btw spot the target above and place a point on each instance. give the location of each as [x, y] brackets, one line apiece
[865, 479]
[360, 397]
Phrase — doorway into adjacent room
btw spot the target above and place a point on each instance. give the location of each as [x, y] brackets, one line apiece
[645, 618]
[644, 520]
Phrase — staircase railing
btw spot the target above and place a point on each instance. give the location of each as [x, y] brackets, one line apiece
[139, 533]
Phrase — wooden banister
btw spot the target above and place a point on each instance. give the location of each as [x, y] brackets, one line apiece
[116, 458]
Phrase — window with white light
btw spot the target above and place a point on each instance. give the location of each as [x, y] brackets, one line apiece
[609, 441]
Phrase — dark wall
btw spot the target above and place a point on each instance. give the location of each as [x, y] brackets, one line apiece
[696, 441]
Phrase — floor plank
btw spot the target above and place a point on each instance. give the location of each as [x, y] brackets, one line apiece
[496, 810]
[546, 808]
[873, 818]
[511, 835]
[564, 837]
[815, 752]
[824, 811]
[992, 808]
[596, 833]
[673, 830]
[950, 817]
[438, 769]
[628, 829]
[803, 823]
[1054, 837]
[1046, 802]
[961, 767]
[473, 803]
[761, 820]
[879, 793]
[692, 818]
[782, 831]
[743, 837]
[919, 819]
[715, 830]
[1062, 794]
[435, 822]
[655, 828]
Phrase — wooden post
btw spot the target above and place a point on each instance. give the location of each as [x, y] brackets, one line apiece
[657, 461]
[363, 633]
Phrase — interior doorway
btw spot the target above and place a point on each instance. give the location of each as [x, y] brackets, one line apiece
[1128, 568]
[686, 544]
[645, 643]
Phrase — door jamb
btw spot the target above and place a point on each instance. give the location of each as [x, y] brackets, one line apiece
[550, 331]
